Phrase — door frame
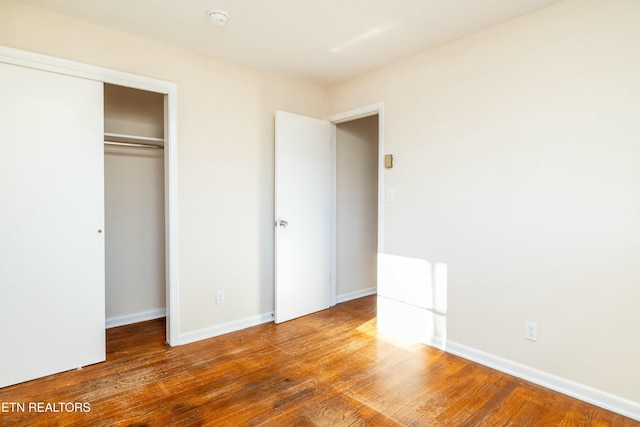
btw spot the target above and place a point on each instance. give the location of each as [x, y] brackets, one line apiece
[336, 119]
[169, 89]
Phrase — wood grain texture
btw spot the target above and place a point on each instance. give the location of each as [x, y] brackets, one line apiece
[331, 368]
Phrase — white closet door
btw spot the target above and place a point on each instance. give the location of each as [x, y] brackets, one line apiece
[51, 220]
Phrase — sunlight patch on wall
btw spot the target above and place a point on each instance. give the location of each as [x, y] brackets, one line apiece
[412, 299]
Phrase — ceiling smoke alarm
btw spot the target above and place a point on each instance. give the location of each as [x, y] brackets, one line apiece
[218, 16]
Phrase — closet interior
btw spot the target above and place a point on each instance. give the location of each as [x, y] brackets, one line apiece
[134, 184]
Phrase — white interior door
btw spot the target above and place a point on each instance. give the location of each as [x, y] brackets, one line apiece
[303, 215]
[51, 209]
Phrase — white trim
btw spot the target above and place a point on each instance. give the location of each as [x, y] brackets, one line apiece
[128, 319]
[334, 191]
[358, 113]
[171, 216]
[225, 328]
[76, 69]
[381, 169]
[62, 66]
[356, 294]
[579, 391]
[437, 342]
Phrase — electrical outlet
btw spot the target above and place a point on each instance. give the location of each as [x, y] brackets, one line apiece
[531, 331]
[219, 297]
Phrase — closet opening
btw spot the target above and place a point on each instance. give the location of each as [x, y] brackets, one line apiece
[134, 183]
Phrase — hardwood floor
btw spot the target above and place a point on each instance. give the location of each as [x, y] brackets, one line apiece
[328, 369]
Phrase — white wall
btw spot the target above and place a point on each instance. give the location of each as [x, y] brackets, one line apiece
[356, 205]
[134, 234]
[517, 165]
[225, 155]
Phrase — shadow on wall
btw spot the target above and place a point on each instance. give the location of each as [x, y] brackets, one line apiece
[412, 299]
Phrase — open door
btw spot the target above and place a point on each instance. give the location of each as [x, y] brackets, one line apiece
[51, 232]
[303, 192]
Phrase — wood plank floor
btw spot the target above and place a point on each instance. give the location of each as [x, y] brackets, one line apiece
[328, 369]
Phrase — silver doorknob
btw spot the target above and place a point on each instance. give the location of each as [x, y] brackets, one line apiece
[282, 223]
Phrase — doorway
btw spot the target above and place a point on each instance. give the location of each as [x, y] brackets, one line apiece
[356, 208]
[370, 129]
[307, 145]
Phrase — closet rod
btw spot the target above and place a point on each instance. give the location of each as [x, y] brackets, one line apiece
[133, 144]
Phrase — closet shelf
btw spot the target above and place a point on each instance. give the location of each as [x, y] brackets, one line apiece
[133, 140]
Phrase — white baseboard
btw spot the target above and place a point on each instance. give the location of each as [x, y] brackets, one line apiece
[127, 319]
[355, 295]
[214, 331]
[437, 342]
[587, 394]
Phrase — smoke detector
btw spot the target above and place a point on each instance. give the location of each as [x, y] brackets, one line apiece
[218, 16]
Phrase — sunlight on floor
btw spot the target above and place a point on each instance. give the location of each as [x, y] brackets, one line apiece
[370, 328]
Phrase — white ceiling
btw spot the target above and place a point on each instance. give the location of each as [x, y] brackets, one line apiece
[320, 42]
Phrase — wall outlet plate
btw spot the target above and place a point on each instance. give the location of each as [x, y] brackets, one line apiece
[531, 331]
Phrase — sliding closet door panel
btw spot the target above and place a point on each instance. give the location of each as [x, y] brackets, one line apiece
[51, 226]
